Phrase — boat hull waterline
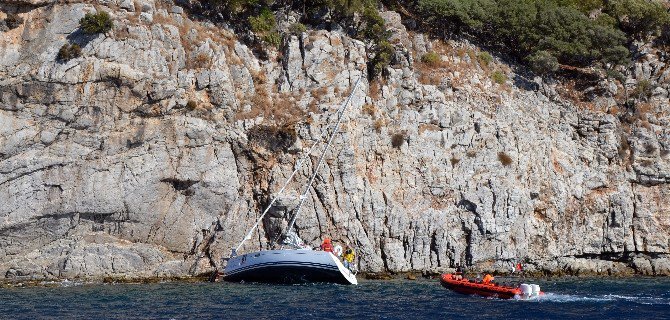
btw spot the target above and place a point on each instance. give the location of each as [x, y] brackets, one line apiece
[288, 266]
[465, 286]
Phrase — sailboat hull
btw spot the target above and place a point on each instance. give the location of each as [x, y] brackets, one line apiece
[288, 266]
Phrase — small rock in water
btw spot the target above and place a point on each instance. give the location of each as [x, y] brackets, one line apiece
[378, 276]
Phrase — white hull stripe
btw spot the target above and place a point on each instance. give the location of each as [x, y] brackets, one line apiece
[284, 264]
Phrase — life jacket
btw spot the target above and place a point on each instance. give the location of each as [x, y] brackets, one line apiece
[349, 256]
[328, 247]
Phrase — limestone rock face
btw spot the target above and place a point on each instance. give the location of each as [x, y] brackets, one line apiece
[154, 152]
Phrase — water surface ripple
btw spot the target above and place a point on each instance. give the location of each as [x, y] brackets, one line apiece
[639, 298]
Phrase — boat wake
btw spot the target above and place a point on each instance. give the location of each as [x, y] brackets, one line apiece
[563, 298]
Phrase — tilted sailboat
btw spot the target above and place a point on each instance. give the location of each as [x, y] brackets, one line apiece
[293, 263]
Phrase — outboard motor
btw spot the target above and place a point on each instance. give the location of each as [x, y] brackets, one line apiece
[526, 290]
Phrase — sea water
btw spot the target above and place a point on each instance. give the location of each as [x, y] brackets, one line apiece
[566, 298]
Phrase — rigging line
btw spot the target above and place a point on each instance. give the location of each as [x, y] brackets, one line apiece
[316, 169]
[297, 167]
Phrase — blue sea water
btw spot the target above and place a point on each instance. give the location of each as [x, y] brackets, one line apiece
[571, 298]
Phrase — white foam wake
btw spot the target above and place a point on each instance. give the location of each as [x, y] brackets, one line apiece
[563, 298]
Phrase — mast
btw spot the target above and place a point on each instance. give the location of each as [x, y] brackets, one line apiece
[316, 170]
[297, 167]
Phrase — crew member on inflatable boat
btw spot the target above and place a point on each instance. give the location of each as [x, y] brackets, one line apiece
[458, 275]
[487, 279]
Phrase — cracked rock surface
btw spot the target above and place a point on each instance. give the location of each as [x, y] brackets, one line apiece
[138, 159]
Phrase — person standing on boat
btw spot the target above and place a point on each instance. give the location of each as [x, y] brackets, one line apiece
[348, 257]
[327, 245]
[458, 275]
[487, 279]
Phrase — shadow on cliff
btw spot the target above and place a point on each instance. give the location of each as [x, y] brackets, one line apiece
[81, 38]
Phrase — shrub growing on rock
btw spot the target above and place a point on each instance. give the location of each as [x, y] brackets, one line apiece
[69, 51]
[484, 58]
[264, 22]
[643, 89]
[504, 159]
[614, 74]
[638, 18]
[273, 39]
[397, 139]
[201, 60]
[191, 105]
[369, 109]
[525, 27]
[498, 77]
[297, 28]
[13, 21]
[379, 124]
[273, 138]
[375, 33]
[543, 63]
[99, 22]
[431, 58]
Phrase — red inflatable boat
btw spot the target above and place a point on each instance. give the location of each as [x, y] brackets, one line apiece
[465, 286]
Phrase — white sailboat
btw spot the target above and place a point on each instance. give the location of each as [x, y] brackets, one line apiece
[294, 262]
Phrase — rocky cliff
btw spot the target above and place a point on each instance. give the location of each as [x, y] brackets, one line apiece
[152, 153]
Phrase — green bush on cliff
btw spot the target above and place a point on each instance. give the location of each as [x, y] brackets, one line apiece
[431, 58]
[484, 58]
[360, 18]
[457, 15]
[297, 28]
[638, 18]
[544, 33]
[273, 39]
[526, 27]
[69, 51]
[543, 62]
[383, 53]
[585, 6]
[499, 77]
[263, 22]
[99, 22]
[374, 32]
[231, 7]
[265, 26]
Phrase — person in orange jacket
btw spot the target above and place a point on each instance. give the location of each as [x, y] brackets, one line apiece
[487, 279]
[327, 245]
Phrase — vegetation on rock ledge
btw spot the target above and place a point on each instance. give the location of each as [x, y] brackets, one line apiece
[100, 22]
[69, 51]
[543, 33]
[548, 32]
